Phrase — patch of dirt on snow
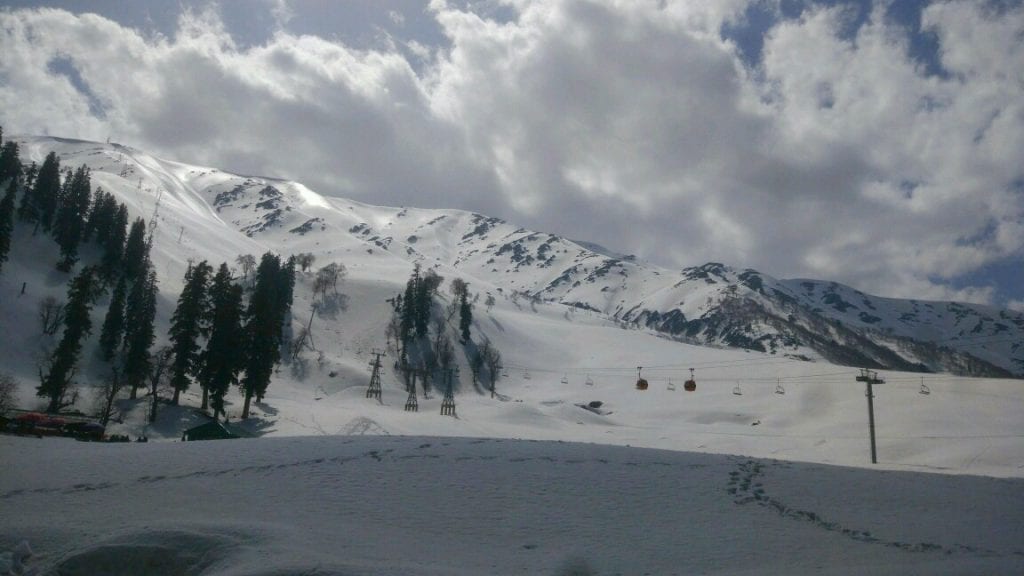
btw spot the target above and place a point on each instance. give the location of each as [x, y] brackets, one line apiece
[154, 553]
[363, 426]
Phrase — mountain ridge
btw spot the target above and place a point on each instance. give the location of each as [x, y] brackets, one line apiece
[710, 304]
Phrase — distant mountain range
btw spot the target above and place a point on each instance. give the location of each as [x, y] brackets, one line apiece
[712, 304]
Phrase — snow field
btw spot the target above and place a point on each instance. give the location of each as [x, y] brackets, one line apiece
[422, 505]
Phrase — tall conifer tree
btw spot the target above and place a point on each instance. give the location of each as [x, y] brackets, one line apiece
[263, 331]
[113, 247]
[7, 221]
[140, 312]
[465, 315]
[77, 325]
[221, 360]
[71, 215]
[39, 204]
[188, 324]
[113, 322]
[136, 253]
[10, 163]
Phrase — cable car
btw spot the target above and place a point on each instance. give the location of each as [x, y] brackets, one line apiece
[691, 384]
[641, 384]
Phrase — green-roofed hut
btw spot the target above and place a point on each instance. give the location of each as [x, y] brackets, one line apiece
[212, 430]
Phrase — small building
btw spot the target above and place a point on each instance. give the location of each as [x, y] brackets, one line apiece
[212, 430]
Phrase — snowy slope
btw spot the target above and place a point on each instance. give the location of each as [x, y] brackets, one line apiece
[564, 311]
[710, 304]
[428, 506]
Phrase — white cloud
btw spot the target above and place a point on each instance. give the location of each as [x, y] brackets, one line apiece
[629, 123]
[282, 12]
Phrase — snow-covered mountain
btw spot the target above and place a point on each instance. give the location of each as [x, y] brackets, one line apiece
[711, 304]
[573, 322]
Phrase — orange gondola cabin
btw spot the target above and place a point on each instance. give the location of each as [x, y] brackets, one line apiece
[641, 384]
[691, 384]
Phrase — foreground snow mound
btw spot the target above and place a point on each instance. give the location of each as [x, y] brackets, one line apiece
[428, 506]
[15, 561]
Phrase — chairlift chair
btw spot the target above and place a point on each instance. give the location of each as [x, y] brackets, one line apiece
[779, 389]
[671, 386]
[526, 374]
[925, 390]
[589, 381]
[736, 389]
[565, 379]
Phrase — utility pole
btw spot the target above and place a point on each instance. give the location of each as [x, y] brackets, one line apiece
[374, 390]
[870, 378]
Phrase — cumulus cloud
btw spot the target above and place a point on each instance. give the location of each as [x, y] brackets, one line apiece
[633, 124]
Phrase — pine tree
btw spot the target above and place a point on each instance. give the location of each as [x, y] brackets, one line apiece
[140, 312]
[286, 289]
[188, 323]
[70, 219]
[29, 178]
[425, 291]
[221, 361]
[407, 322]
[101, 217]
[39, 204]
[7, 221]
[113, 323]
[65, 190]
[136, 252]
[77, 325]
[113, 248]
[421, 308]
[10, 163]
[263, 330]
[465, 315]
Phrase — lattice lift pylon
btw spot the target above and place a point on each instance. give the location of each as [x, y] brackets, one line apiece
[411, 404]
[448, 403]
[374, 390]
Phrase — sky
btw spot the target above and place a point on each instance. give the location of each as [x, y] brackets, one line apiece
[874, 143]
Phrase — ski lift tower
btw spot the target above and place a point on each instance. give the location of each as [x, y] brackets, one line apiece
[374, 390]
[870, 378]
[448, 403]
[411, 404]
